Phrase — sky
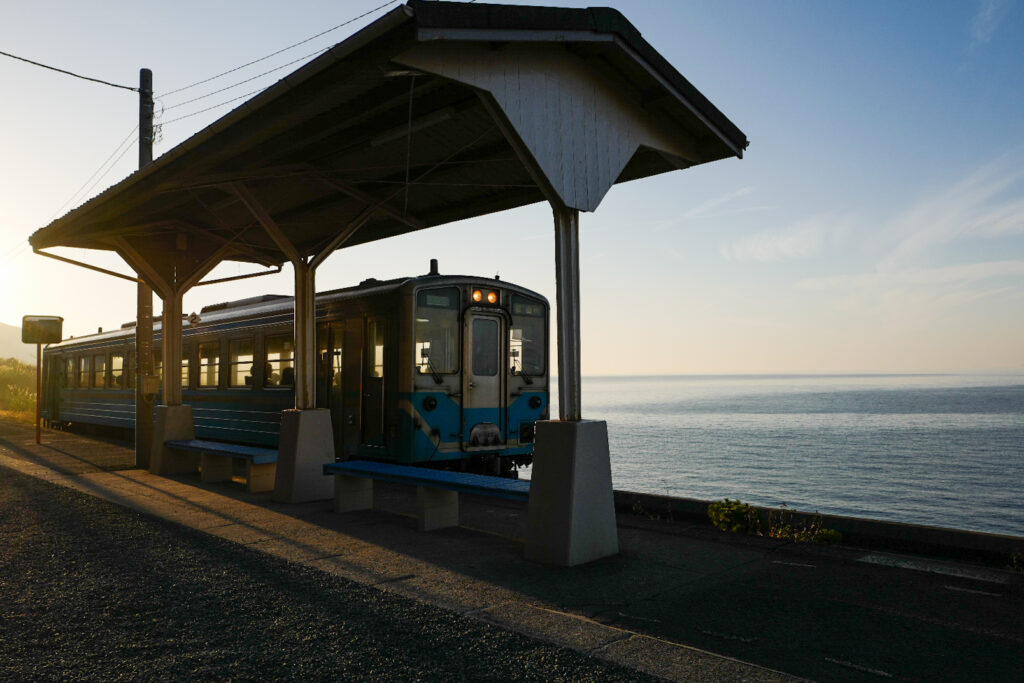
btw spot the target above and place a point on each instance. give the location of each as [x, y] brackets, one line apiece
[875, 223]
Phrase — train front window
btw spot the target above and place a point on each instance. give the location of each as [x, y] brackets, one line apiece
[279, 370]
[209, 364]
[243, 367]
[99, 371]
[437, 331]
[526, 337]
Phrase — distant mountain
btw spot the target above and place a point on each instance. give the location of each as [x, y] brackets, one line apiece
[11, 346]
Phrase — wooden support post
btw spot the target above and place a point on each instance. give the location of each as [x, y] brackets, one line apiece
[172, 348]
[305, 336]
[144, 295]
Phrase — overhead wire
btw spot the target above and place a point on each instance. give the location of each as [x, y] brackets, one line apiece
[284, 49]
[69, 73]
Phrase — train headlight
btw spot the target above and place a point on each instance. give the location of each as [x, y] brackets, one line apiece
[492, 297]
[478, 296]
[429, 403]
[535, 402]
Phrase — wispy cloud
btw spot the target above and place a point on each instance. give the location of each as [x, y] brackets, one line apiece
[924, 291]
[805, 239]
[987, 19]
[707, 206]
[987, 203]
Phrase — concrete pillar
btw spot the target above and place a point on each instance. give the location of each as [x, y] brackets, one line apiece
[306, 443]
[571, 514]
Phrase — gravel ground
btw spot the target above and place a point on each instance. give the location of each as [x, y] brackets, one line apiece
[93, 591]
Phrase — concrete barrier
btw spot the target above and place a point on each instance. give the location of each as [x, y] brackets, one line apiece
[992, 549]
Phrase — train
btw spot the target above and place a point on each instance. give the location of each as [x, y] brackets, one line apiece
[446, 371]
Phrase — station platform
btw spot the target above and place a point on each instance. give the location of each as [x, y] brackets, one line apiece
[682, 601]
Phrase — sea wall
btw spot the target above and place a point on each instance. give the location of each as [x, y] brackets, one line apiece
[992, 549]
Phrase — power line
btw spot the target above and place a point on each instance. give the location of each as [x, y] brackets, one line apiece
[272, 54]
[220, 104]
[69, 73]
[130, 136]
[234, 85]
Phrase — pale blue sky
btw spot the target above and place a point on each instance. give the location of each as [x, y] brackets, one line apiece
[876, 223]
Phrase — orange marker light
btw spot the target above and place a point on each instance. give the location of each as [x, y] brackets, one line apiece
[492, 297]
[478, 295]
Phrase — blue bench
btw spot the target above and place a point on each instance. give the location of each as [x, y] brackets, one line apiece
[437, 491]
[216, 462]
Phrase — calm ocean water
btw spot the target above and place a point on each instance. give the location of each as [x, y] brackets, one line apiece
[945, 450]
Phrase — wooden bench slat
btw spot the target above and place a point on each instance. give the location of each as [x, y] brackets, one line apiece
[258, 456]
[480, 484]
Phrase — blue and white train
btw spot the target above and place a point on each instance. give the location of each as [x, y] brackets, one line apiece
[435, 370]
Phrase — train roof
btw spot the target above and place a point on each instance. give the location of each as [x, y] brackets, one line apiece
[282, 304]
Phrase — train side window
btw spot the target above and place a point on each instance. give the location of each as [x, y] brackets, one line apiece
[99, 371]
[186, 353]
[437, 331]
[376, 335]
[69, 372]
[279, 369]
[83, 372]
[242, 359]
[158, 365]
[209, 365]
[117, 370]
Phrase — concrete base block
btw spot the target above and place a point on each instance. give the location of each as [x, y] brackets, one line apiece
[352, 493]
[260, 478]
[215, 468]
[571, 516]
[172, 423]
[436, 508]
[307, 443]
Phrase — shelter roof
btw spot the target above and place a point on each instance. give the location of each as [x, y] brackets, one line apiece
[408, 124]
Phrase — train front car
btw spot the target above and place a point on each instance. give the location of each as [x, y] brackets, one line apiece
[475, 373]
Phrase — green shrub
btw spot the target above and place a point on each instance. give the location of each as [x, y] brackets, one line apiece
[741, 518]
[17, 385]
[734, 516]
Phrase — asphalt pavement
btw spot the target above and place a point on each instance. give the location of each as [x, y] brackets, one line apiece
[265, 586]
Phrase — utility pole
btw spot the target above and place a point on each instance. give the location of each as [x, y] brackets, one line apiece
[144, 316]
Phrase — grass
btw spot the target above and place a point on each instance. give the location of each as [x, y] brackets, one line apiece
[17, 390]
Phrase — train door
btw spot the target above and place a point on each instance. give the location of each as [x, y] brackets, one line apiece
[483, 392]
[330, 394]
[372, 412]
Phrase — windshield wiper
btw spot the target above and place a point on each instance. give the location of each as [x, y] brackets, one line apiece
[522, 373]
[434, 373]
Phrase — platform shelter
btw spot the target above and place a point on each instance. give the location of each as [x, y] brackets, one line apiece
[436, 112]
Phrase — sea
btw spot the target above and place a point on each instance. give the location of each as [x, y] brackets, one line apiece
[942, 450]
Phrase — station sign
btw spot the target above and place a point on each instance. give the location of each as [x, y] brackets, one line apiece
[42, 329]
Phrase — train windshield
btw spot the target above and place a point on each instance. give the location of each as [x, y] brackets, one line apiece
[526, 337]
[437, 331]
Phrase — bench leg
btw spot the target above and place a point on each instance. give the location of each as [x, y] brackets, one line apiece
[215, 468]
[260, 478]
[437, 509]
[352, 493]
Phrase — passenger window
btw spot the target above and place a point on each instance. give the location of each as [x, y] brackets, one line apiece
[158, 366]
[83, 371]
[209, 365]
[279, 370]
[117, 370]
[485, 347]
[376, 334]
[99, 371]
[69, 372]
[243, 367]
